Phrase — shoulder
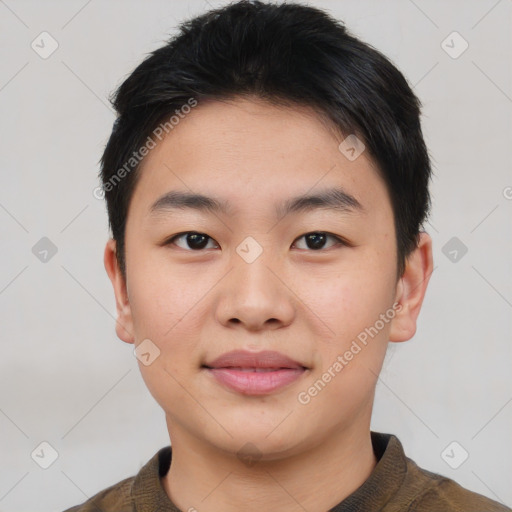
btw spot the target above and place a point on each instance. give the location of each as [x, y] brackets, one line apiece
[431, 491]
[401, 485]
[116, 498]
[141, 490]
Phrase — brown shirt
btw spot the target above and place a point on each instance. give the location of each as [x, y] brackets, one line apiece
[396, 484]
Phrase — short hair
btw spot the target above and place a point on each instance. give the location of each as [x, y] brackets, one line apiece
[287, 54]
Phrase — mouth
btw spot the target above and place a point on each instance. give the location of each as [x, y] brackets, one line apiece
[255, 373]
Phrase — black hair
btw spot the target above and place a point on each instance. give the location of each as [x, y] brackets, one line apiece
[286, 54]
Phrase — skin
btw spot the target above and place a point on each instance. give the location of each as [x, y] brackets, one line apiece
[307, 303]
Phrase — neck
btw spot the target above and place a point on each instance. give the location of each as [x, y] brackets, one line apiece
[206, 479]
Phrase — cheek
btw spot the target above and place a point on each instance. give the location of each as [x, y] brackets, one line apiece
[351, 296]
[166, 308]
[352, 304]
[164, 300]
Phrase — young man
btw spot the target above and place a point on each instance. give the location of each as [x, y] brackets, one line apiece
[267, 182]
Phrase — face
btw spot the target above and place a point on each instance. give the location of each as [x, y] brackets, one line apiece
[314, 280]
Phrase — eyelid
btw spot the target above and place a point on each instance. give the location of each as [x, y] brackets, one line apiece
[170, 240]
[340, 241]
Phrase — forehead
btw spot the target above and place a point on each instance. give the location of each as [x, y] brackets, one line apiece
[249, 151]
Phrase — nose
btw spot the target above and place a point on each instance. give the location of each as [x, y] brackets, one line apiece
[256, 295]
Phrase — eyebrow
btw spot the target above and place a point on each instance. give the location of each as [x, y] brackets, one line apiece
[335, 199]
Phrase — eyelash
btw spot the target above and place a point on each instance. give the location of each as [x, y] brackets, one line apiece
[340, 241]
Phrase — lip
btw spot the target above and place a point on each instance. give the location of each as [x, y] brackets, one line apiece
[246, 359]
[255, 373]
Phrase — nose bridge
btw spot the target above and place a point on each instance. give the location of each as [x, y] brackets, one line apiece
[253, 261]
[253, 294]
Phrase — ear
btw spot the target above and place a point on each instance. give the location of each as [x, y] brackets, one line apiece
[124, 323]
[411, 290]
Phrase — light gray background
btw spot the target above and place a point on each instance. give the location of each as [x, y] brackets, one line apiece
[65, 377]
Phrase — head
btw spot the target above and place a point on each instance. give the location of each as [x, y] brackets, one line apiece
[218, 133]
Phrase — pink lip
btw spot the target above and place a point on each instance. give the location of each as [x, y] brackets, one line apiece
[238, 370]
[246, 359]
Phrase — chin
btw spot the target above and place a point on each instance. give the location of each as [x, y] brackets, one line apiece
[262, 442]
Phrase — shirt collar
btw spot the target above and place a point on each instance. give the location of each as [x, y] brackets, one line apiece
[384, 481]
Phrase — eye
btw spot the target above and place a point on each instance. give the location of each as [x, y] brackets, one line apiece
[316, 240]
[195, 241]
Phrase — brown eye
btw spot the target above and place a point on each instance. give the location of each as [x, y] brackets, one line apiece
[316, 240]
[191, 240]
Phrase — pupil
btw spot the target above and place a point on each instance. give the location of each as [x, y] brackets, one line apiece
[317, 239]
[196, 240]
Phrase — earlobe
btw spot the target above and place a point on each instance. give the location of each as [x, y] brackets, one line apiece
[411, 290]
[124, 322]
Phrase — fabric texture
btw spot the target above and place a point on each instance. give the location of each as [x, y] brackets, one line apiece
[396, 484]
